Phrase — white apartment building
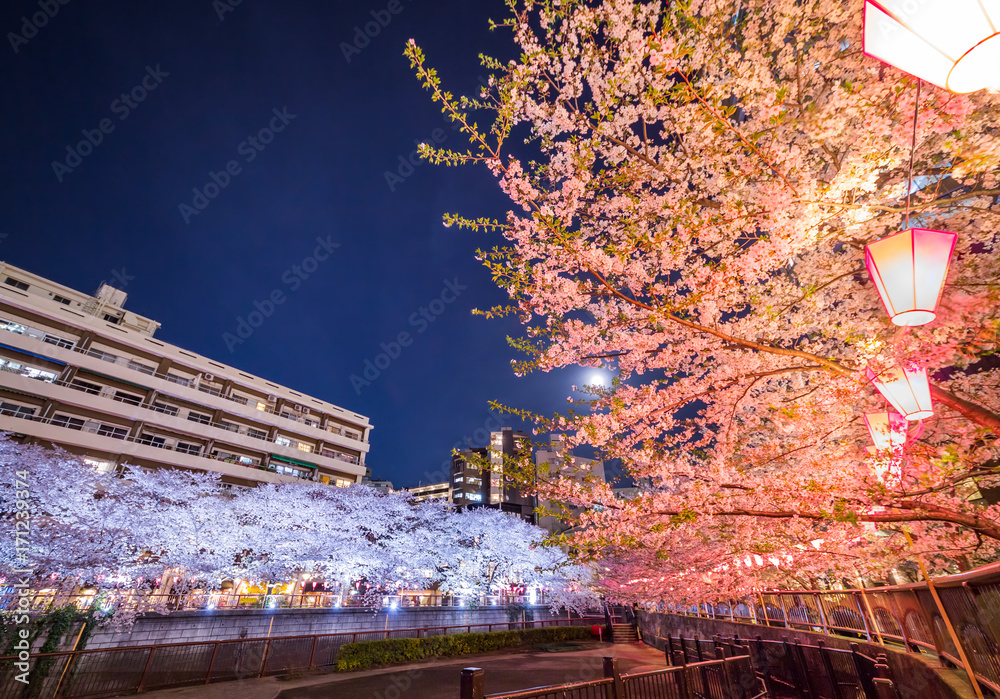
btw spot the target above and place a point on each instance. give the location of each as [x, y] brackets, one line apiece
[434, 491]
[82, 373]
[554, 459]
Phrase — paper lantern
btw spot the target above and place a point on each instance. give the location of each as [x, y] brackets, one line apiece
[951, 43]
[888, 431]
[906, 389]
[909, 270]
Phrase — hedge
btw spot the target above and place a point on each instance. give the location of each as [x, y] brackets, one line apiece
[366, 654]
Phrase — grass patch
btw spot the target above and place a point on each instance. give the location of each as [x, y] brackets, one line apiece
[367, 654]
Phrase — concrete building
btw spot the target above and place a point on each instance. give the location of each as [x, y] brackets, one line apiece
[434, 491]
[555, 458]
[475, 486]
[83, 373]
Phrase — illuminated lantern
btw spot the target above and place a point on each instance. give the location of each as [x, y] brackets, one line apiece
[906, 389]
[888, 431]
[909, 270]
[951, 43]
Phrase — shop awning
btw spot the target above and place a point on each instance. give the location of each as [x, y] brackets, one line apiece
[285, 459]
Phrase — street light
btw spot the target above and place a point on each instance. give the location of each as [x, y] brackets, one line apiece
[909, 270]
[888, 431]
[907, 389]
[951, 43]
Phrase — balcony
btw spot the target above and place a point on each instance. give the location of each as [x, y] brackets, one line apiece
[138, 367]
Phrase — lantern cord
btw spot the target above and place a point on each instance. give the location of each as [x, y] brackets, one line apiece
[913, 147]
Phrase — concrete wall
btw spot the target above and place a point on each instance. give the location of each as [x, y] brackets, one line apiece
[186, 627]
[916, 676]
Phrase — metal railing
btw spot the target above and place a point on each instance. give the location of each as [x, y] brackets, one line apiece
[728, 674]
[222, 601]
[38, 334]
[89, 674]
[903, 614]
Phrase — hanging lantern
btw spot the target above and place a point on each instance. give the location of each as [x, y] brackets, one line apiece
[888, 431]
[909, 270]
[951, 43]
[906, 389]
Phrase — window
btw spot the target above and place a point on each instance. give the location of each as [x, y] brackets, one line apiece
[473, 497]
[459, 479]
[199, 417]
[228, 426]
[100, 466]
[112, 431]
[112, 318]
[261, 406]
[180, 380]
[10, 281]
[341, 483]
[123, 397]
[16, 410]
[59, 299]
[152, 441]
[73, 423]
[165, 409]
[256, 434]
[305, 447]
[85, 386]
[188, 448]
[283, 441]
[101, 354]
[58, 341]
[136, 366]
[236, 398]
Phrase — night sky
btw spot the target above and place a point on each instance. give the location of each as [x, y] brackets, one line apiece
[113, 213]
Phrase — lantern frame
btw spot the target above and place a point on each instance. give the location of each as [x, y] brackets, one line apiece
[907, 389]
[958, 64]
[909, 270]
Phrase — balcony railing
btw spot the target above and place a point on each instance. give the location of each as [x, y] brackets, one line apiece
[179, 380]
[250, 432]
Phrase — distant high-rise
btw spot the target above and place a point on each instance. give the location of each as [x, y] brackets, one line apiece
[556, 459]
[81, 372]
[473, 486]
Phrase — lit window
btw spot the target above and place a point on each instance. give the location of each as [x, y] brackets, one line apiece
[305, 447]
[283, 441]
[100, 466]
[261, 406]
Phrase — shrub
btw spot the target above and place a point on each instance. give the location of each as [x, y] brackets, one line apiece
[366, 654]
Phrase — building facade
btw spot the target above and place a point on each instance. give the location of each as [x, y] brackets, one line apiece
[434, 491]
[475, 486]
[83, 373]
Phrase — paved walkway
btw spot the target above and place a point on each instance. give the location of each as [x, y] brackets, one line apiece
[436, 679]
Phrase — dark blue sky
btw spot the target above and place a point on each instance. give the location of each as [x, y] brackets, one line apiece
[115, 215]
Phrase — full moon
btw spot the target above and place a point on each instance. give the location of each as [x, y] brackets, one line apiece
[598, 380]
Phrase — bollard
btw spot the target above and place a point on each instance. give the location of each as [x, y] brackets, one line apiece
[473, 684]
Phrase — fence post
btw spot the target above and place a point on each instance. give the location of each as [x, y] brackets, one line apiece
[473, 684]
[670, 651]
[784, 612]
[864, 617]
[312, 656]
[828, 667]
[211, 663]
[611, 671]
[263, 661]
[142, 679]
[822, 613]
[720, 651]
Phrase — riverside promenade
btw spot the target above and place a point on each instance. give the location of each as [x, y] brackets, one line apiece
[437, 679]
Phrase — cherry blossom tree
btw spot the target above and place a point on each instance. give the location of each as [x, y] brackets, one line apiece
[169, 531]
[693, 185]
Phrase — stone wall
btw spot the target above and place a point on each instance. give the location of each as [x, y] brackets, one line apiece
[214, 625]
[916, 676]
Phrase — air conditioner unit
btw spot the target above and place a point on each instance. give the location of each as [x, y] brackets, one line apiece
[207, 377]
[272, 399]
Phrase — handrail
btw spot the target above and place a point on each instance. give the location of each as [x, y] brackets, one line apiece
[172, 378]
